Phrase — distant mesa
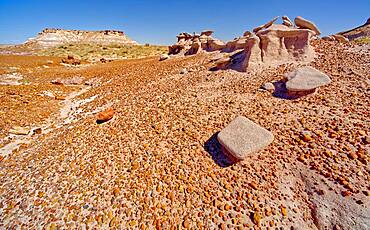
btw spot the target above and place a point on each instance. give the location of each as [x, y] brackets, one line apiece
[50, 37]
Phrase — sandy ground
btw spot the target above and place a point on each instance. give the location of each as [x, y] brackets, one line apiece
[157, 163]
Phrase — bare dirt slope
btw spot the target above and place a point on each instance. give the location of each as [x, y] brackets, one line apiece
[157, 163]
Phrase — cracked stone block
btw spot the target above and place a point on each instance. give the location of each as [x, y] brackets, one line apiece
[243, 137]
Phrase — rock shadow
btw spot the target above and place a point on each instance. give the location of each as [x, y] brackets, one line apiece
[282, 92]
[214, 148]
[233, 63]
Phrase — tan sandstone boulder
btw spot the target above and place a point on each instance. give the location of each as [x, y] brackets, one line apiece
[340, 38]
[207, 33]
[304, 80]
[242, 137]
[328, 38]
[287, 22]
[266, 25]
[306, 24]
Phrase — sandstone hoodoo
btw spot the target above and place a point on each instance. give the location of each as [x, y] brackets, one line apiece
[268, 44]
[53, 37]
[243, 137]
[188, 44]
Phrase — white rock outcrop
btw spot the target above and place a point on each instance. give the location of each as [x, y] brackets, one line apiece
[53, 37]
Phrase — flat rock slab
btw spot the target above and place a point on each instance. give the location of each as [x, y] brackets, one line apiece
[306, 79]
[243, 137]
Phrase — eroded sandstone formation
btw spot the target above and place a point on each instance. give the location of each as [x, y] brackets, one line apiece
[53, 37]
[191, 44]
[269, 44]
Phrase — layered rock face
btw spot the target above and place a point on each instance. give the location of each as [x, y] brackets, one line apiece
[268, 44]
[54, 37]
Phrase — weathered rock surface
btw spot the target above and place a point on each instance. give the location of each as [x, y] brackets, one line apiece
[53, 37]
[305, 79]
[306, 24]
[243, 137]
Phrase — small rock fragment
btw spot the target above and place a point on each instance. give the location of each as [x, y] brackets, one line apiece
[346, 193]
[164, 57]
[184, 71]
[256, 218]
[57, 97]
[105, 116]
[17, 130]
[283, 211]
[268, 86]
[253, 185]
[37, 131]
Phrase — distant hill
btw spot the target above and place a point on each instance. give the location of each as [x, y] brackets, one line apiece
[358, 32]
[54, 37]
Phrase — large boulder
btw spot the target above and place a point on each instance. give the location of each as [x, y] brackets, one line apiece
[305, 80]
[340, 38]
[328, 38]
[207, 33]
[287, 22]
[243, 137]
[306, 24]
[266, 25]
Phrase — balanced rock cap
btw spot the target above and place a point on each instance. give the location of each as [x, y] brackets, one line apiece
[306, 78]
[243, 137]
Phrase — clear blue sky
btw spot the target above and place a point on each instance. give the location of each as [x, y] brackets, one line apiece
[159, 21]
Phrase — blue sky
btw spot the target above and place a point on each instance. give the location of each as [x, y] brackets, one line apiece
[158, 22]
